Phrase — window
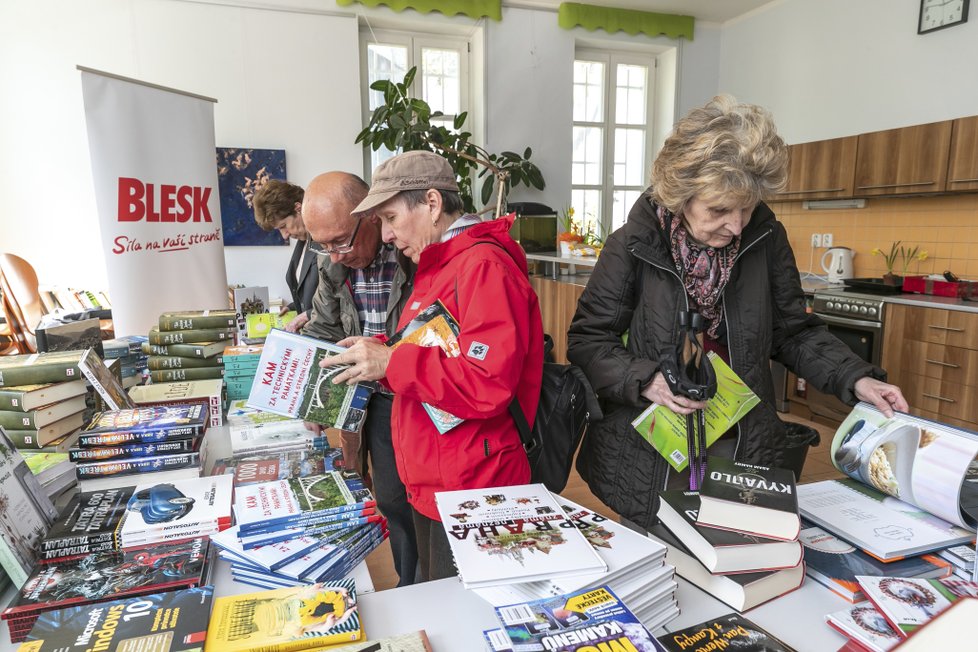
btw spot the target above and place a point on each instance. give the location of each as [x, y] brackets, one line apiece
[442, 79]
[612, 134]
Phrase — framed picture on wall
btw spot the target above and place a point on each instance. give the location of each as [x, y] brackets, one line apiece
[241, 172]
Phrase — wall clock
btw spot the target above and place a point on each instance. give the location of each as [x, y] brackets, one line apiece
[938, 14]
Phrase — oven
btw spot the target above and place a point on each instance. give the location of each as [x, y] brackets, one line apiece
[857, 320]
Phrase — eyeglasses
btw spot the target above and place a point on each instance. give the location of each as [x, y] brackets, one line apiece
[342, 249]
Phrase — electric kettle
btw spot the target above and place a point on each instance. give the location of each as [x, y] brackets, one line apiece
[839, 265]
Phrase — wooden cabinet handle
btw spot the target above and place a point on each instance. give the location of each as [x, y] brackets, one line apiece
[961, 180]
[946, 328]
[798, 192]
[944, 364]
[898, 185]
[939, 398]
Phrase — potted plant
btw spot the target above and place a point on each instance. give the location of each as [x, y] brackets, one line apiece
[905, 254]
[570, 232]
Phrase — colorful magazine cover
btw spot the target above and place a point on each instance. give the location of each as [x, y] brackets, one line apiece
[175, 621]
[297, 618]
[577, 621]
[291, 382]
[433, 326]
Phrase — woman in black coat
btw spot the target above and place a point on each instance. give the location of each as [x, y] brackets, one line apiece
[701, 240]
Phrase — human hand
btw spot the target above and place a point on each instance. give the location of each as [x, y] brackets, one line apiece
[658, 392]
[313, 427]
[368, 359]
[884, 396]
[300, 320]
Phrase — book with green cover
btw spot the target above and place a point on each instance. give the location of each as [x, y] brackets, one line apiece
[259, 324]
[666, 431]
[191, 350]
[190, 336]
[31, 397]
[34, 438]
[157, 362]
[42, 416]
[38, 368]
[197, 319]
[175, 375]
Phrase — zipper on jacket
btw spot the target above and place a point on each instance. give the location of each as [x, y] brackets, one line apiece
[664, 269]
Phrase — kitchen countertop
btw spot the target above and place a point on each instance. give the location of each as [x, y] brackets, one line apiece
[930, 301]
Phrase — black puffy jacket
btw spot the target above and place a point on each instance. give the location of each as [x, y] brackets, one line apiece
[635, 288]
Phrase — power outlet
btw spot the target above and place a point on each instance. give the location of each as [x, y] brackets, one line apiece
[816, 239]
[826, 240]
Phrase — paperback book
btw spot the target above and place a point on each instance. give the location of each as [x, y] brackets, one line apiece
[944, 631]
[24, 398]
[864, 624]
[144, 425]
[291, 382]
[272, 436]
[513, 534]
[433, 326]
[259, 325]
[39, 368]
[282, 620]
[108, 386]
[174, 621]
[267, 467]
[750, 498]
[732, 631]
[908, 603]
[86, 525]
[158, 512]
[129, 451]
[138, 465]
[666, 431]
[410, 642]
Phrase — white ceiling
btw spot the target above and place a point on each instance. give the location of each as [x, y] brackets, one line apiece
[717, 11]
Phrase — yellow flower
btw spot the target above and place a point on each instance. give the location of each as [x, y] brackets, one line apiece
[877, 252]
[922, 255]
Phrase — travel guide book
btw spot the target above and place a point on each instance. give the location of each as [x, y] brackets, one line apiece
[666, 431]
[175, 621]
[723, 551]
[756, 499]
[145, 424]
[909, 603]
[513, 534]
[594, 619]
[433, 326]
[267, 467]
[291, 382]
[732, 631]
[281, 620]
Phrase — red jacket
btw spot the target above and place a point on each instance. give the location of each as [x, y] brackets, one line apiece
[501, 341]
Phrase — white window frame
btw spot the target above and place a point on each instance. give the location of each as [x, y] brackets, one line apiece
[415, 42]
[611, 59]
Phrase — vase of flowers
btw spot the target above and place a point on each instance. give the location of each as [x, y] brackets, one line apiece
[570, 234]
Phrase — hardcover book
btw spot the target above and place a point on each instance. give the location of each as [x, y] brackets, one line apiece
[742, 591]
[209, 392]
[145, 424]
[864, 624]
[179, 375]
[39, 368]
[160, 362]
[723, 551]
[196, 336]
[42, 416]
[513, 534]
[433, 326]
[267, 467]
[732, 630]
[197, 320]
[123, 347]
[247, 301]
[299, 501]
[291, 382]
[38, 438]
[908, 603]
[189, 350]
[163, 622]
[46, 466]
[835, 563]
[26, 513]
[576, 622]
[749, 498]
[282, 620]
[108, 386]
[30, 397]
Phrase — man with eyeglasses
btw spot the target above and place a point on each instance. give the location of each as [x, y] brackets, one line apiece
[363, 287]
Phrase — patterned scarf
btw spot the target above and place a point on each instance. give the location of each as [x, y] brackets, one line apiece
[703, 270]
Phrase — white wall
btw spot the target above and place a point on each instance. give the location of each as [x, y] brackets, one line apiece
[838, 67]
[283, 79]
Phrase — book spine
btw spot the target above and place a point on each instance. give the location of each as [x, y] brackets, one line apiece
[155, 362]
[71, 552]
[90, 470]
[183, 350]
[190, 337]
[18, 420]
[23, 438]
[38, 374]
[173, 375]
[307, 518]
[136, 437]
[197, 322]
[105, 453]
[11, 400]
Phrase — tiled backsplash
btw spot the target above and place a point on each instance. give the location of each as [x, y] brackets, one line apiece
[946, 227]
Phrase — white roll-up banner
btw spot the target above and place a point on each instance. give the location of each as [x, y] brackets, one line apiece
[153, 164]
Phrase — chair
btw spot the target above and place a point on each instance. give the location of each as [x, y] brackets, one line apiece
[22, 301]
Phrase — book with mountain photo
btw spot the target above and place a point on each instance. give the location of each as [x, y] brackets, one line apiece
[108, 386]
[290, 382]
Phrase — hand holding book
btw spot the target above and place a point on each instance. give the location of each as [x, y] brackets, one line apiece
[365, 358]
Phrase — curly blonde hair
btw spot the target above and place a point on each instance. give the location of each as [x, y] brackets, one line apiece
[721, 150]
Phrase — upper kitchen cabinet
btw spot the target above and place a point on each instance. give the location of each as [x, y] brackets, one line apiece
[905, 161]
[962, 166]
[821, 170]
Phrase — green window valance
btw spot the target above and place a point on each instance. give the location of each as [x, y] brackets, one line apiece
[611, 20]
[471, 8]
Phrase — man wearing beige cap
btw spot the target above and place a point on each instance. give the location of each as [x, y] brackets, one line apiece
[363, 287]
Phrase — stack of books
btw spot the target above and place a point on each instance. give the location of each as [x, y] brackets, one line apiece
[209, 393]
[140, 515]
[160, 443]
[190, 345]
[240, 367]
[265, 436]
[42, 399]
[279, 464]
[55, 471]
[100, 577]
[133, 363]
[737, 538]
[961, 558]
[636, 570]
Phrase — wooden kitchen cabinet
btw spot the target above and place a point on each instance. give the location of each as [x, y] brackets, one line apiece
[962, 164]
[558, 303]
[823, 169]
[910, 160]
